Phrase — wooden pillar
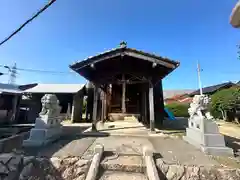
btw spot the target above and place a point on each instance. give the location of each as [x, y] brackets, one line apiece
[158, 103]
[151, 107]
[76, 115]
[14, 108]
[95, 103]
[89, 108]
[73, 109]
[123, 94]
[80, 107]
[102, 105]
[144, 106]
[68, 114]
[105, 105]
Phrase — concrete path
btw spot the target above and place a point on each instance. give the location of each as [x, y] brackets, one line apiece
[177, 151]
[127, 145]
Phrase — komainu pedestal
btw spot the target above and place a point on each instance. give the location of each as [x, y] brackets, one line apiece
[202, 131]
[48, 125]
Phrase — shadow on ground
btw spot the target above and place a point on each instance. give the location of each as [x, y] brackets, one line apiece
[178, 124]
[118, 128]
[71, 143]
[233, 143]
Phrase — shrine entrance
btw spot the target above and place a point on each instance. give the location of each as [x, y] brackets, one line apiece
[125, 82]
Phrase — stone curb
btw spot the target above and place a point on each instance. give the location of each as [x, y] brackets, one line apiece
[93, 169]
[152, 172]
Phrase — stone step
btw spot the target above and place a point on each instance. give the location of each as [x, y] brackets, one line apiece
[126, 163]
[119, 175]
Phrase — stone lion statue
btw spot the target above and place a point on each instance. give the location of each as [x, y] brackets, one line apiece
[50, 106]
[199, 107]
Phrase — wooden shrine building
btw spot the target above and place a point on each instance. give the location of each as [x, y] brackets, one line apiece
[125, 82]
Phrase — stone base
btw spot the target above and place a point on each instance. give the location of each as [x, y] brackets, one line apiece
[40, 137]
[218, 151]
[212, 144]
[123, 116]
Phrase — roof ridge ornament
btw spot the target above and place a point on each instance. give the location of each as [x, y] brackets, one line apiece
[123, 44]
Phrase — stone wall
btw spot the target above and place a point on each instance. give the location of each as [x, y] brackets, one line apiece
[13, 142]
[181, 172]
[16, 166]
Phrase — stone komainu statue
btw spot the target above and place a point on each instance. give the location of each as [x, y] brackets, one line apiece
[50, 106]
[199, 107]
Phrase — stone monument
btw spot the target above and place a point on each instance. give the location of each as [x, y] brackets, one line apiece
[48, 124]
[202, 131]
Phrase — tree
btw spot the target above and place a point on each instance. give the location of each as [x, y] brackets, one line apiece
[225, 100]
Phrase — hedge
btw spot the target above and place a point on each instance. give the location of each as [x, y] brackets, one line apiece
[178, 109]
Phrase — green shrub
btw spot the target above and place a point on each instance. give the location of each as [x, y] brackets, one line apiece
[224, 101]
[178, 109]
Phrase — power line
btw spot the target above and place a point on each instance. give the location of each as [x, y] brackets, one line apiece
[37, 70]
[44, 71]
[28, 21]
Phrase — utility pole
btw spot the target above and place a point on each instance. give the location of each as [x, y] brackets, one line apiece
[13, 74]
[199, 78]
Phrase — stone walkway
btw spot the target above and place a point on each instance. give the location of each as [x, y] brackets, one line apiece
[122, 138]
[115, 175]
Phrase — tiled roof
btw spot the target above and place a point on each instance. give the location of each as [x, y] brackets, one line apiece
[121, 49]
[174, 92]
[55, 88]
[212, 89]
[9, 88]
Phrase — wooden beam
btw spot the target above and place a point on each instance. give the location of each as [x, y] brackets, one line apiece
[127, 82]
[151, 59]
[99, 59]
[110, 75]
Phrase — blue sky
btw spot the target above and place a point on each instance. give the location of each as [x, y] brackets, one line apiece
[70, 30]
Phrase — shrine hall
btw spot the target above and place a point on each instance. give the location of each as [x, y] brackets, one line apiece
[125, 82]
